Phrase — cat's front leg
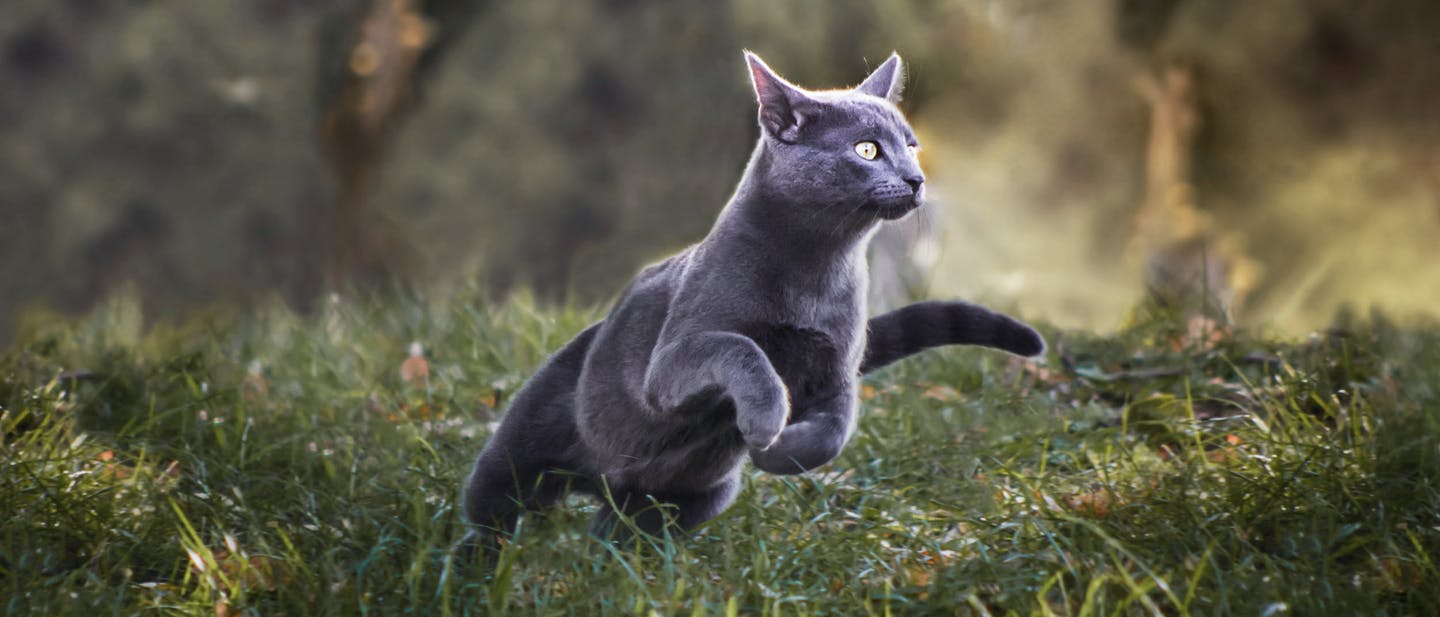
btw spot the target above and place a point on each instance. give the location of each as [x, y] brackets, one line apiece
[723, 363]
[815, 439]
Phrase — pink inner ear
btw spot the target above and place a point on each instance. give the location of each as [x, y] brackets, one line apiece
[777, 100]
[763, 89]
[767, 84]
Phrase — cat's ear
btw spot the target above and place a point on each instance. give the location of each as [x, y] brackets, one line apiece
[887, 81]
[784, 108]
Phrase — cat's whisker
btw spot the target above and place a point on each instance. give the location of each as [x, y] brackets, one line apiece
[818, 213]
[846, 219]
[842, 222]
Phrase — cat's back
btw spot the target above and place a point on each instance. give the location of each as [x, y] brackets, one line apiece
[623, 344]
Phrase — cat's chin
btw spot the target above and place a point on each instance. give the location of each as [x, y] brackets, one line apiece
[895, 209]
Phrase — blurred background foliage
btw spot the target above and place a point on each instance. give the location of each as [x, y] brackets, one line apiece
[207, 153]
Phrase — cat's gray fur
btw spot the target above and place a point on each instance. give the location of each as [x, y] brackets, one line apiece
[750, 342]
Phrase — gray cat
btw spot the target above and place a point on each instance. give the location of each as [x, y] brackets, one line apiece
[750, 342]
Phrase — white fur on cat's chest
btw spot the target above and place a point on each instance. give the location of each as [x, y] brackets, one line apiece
[822, 311]
[836, 306]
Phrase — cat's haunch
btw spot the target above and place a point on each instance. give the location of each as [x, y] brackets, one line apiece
[749, 343]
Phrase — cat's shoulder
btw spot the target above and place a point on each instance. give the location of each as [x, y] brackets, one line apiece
[663, 273]
[653, 287]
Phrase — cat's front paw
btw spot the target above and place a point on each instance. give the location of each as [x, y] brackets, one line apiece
[762, 421]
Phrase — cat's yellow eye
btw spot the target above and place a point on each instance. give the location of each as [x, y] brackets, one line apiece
[867, 150]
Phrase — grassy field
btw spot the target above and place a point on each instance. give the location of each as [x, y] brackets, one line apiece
[279, 464]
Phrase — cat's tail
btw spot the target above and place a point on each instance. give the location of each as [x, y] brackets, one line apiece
[920, 326]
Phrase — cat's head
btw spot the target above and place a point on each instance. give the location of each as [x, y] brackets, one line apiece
[845, 153]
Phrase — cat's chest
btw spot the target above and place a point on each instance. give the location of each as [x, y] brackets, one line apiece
[830, 300]
[812, 363]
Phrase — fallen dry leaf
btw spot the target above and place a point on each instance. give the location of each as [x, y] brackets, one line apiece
[254, 387]
[113, 468]
[1094, 504]
[253, 572]
[1221, 455]
[940, 393]
[919, 575]
[415, 370]
[867, 392]
[1398, 575]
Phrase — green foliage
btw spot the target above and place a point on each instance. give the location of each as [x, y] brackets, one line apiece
[275, 463]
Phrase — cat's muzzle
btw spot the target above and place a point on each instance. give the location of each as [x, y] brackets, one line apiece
[892, 202]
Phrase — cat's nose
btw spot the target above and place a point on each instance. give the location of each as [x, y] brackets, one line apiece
[915, 182]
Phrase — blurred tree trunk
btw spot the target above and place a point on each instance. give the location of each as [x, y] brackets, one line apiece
[1168, 223]
[1188, 263]
[370, 81]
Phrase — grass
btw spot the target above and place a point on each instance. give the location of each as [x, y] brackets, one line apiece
[274, 463]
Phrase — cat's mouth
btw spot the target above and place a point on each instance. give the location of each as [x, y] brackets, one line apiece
[891, 202]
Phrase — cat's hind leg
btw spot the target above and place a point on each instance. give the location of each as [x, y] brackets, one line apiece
[655, 513]
[498, 491]
[522, 468]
